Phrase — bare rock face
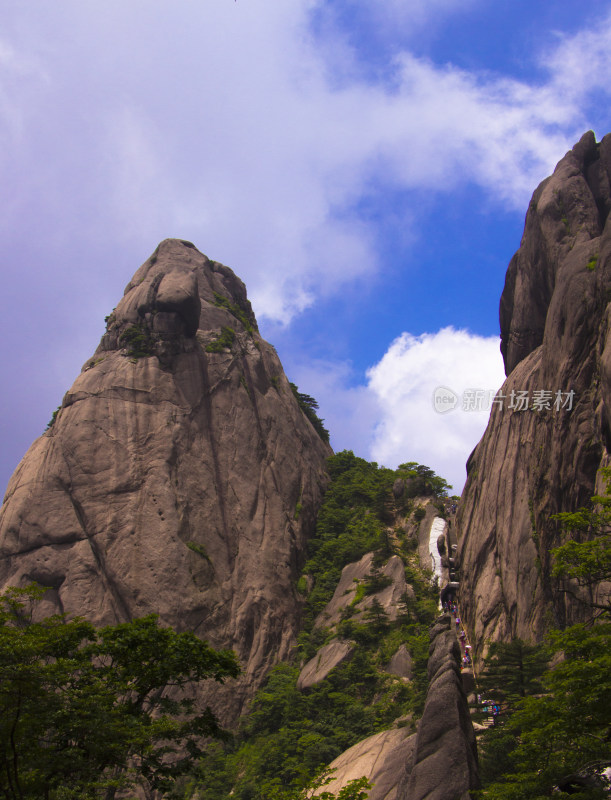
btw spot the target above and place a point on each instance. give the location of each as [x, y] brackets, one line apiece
[444, 764]
[170, 480]
[536, 461]
[389, 597]
[345, 591]
[327, 658]
[381, 758]
[401, 664]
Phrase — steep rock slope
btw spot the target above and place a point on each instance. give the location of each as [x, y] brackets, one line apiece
[534, 461]
[444, 765]
[179, 477]
[440, 760]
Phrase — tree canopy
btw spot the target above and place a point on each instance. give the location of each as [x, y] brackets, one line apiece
[555, 737]
[583, 563]
[86, 712]
[309, 406]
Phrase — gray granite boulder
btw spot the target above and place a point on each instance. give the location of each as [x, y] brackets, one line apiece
[381, 758]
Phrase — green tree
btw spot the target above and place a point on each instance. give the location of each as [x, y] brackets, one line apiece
[357, 789]
[309, 406]
[583, 563]
[84, 713]
[512, 671]
[562, 735]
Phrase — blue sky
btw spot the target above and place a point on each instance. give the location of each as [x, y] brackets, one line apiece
[365, 168]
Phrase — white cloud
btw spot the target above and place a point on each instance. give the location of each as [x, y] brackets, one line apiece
[283, 154]
[392, 419]
[349, 410]
[579, 64]
[403, 382]
[223, 123]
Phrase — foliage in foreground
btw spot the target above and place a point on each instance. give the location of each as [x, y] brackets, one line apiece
[583, 563]
[558, 736]
[554, 737]
[357, 789]
[83, 712]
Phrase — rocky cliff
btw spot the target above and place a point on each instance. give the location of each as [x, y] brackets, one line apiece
[438, 762]
[444, 765]
[179, 476]
[550, 430]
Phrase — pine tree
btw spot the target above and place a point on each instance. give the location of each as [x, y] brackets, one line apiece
[557, 741]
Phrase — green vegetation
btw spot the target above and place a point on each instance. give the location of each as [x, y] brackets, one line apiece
[356, 789]
[290, 734]
[558, 734]
[82, 713]
[584, 561]
[376, 581]
[419, 513]
[137, 341]
[351, 522]
[553, 736]
[239, 313]
[591, 265]
[511, 672]
[199, 549]
[51, 422]
[309, 407]
[421, 481]
[223, 342]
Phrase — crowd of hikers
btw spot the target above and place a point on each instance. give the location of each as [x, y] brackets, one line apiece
[488, 707]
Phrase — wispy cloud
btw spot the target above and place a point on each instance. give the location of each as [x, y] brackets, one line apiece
[579, 64]
[253, 151]
[229, 124]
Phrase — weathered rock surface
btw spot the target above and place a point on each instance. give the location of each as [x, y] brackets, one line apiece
[533, 463]
[444, 765]
[326, 659]
[345, 591]
[401, 664]
[170, 479]
[381, 758]
[389, 597]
